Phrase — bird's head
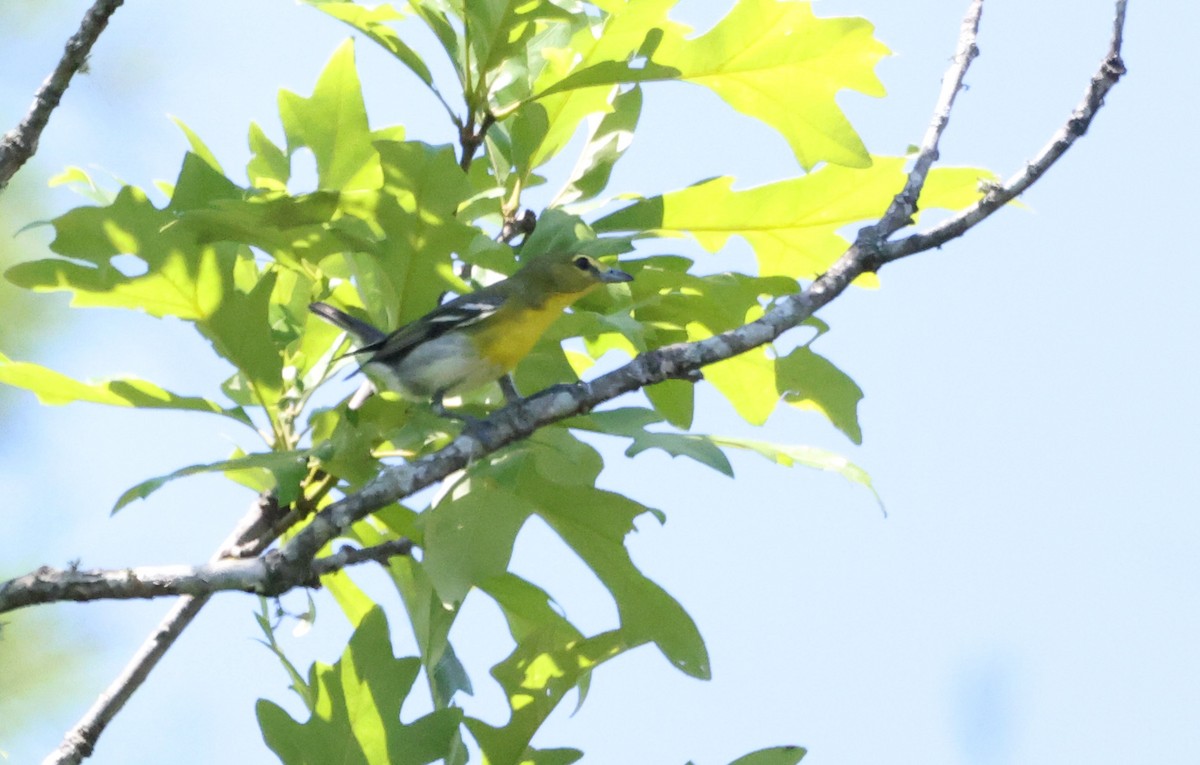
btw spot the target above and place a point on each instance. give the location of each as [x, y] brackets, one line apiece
[569, 273]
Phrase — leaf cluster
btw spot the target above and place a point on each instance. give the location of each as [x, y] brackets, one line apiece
[387, 226]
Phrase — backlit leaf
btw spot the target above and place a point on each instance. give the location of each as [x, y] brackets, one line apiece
[793, 225]
[356, 718]
[55, 389]
[809, 381]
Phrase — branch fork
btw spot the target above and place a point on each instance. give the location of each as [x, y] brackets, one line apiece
[295, 563]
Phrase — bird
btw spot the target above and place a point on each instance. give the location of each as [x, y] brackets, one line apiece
[477, 338]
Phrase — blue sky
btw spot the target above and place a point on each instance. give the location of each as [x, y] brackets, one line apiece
[1031, 421]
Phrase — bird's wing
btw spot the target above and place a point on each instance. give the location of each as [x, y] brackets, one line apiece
[460, 312]
[364, 333]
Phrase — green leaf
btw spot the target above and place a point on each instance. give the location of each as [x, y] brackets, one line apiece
[298, 684]
[556, 111]
[200, 184]
[675, 400]
[289, 228]
[430, 619]
[500, 32]
[551, 756]
[776, 755]
[199, 148]
[793, 225]
[433, 13]
[594, 524]
[332, 123]
[632, 423]
[356, 719]
[239, 328]
[555, 472]
[607, 141]
[551, 658]
[746, 380]
[811, 382]
[56, 389]
[180, 277]
[355, 603]
[775, 61]
[372, 22]
[288, 468]
[623, 50]
[423, 188]
[269, 167]
[469, 539]
[769, 59]
[78, 180]
[808, 456]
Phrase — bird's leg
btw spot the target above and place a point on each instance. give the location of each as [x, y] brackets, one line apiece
[509, 388]
[439, 408]
[472, 426]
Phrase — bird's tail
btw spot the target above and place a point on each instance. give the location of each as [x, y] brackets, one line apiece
[366, 334]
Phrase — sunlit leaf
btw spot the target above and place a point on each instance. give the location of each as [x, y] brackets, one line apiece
[423, 188]
[746, 380]
[808, 456]
[502, 31]
[607, 141]
[332, 123]
[769, 59]
[56, 389]
[551, 658]
[811, 382]
[169, 273]
[775, 61]
[794, 225]
[557, 112]
[356, 718]
[372, 22]
[199, 148]
[269, 166]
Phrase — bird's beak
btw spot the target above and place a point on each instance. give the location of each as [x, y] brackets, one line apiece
[615, 275]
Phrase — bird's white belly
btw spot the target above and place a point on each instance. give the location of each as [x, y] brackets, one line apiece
[449, 364]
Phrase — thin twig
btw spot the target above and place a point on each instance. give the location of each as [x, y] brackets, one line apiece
[471, 138]
[517, 225]
[20, 143]
[904, 205]
[1109, 73]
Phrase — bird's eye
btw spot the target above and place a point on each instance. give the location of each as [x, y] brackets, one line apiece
[582, 263]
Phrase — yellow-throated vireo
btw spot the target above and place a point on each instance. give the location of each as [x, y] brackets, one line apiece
[477, 338]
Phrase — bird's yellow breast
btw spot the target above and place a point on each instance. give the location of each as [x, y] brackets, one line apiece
[515, 329]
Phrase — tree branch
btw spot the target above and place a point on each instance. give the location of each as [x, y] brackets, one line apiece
[49, 585]
[293, 564]
[253, 534]
[1110, 72]
[680, 361]
[904, 206]
[20, 143]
